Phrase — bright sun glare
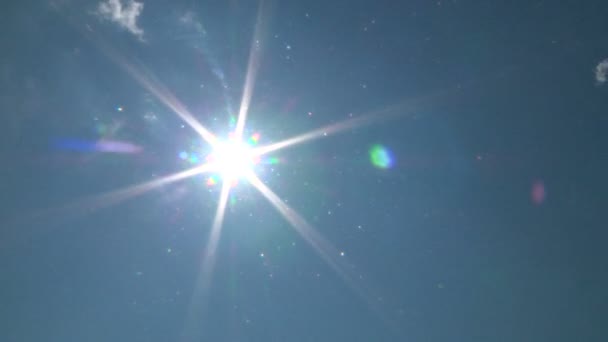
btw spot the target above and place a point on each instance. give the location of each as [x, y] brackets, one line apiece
[235, 159]
[232, 159]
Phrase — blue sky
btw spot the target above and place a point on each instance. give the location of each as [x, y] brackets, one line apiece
[396, 171]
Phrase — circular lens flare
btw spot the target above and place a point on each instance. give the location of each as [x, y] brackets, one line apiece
[381, 157]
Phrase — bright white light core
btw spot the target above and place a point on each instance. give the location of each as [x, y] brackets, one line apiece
[232, 159]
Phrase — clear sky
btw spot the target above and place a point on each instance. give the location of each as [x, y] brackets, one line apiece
[303, 170]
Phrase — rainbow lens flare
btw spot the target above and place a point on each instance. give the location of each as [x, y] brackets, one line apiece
[212, 180]
[272, 161]
[102, 145]
[254, 139]
[381, 157]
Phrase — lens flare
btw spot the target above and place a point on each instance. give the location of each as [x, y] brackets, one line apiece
[272, 161]
[254, 139]
[212, 180]
[103, 145]
[381, 157]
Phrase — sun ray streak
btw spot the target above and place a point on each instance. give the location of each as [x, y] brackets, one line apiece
[196, 311]
[323, 247]
[214, 236]
[312, 135]
[87, 205]
[153, 85]
[404, 108]
[163, 94]
[119, 195]
[147, 81]
[338, 127]
[252, 70]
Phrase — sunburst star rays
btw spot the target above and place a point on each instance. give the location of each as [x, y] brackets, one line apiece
[252, 70]
[83, 206]
[321, 246]
[151, 84]
[196, 309]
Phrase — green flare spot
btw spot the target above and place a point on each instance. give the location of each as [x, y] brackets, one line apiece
[380, 157]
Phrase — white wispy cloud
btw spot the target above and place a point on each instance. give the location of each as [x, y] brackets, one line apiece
[190, 20]
[125, 15]
[601, 71]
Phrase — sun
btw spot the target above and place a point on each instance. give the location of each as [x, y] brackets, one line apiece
[235, 159]
[232, 159]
